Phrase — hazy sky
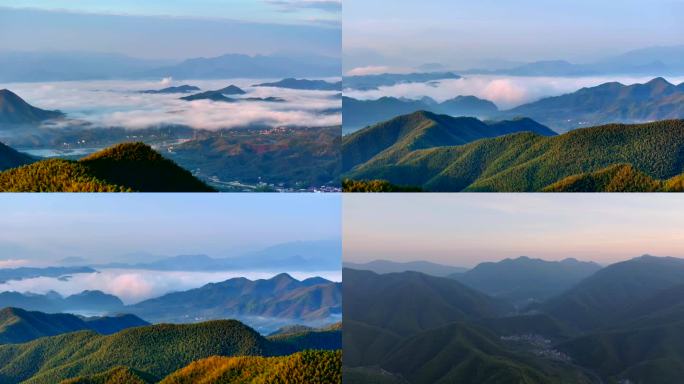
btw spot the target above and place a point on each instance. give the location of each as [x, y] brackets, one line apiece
[465, 229]
[172, 29]
[462, 33]
[103, 227]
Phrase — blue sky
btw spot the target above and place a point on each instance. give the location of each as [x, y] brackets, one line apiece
[106, 226]
[172, 29]
[270, 11]
[464, 33]
[465, 229]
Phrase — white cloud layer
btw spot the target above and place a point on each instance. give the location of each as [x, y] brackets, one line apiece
[505, 91]
[132, 285]
[119, 103]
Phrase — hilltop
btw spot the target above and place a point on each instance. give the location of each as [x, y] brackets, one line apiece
[390, 141]
[19, 326]
[14, 110]
[362, 113]
[123, 167]
[524, 279]
[304, 84]
[179, 89]
[10, 158]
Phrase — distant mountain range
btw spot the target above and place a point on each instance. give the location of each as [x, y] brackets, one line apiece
[607, 103]
[519, 162]
[15, 111]
[244, 66]
[524, 280]
[86, 301]
[19, 326]
[666, 60]
[282, 297]
[388, 266]
[620, 323]
[362, 113]
[124, 167]
[323, 255]
[150, 353]
[304, 84]
[384, 143]
[71, 66]
[21, 273]
[371, 82]
[602, 104]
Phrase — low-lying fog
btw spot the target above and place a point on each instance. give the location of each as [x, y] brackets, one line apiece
[505, 91]
[120, 103]
[134, 285]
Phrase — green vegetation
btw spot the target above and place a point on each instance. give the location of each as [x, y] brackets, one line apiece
[615, 178]
[606, 297]
[10, 158]
[122, 168]
[19, 326]
[526, 279]
[308, 367]
[55, 175]
[374, 186]
[642, 355]
[117, 375]
[293, 157]
[585, 158]
[362, 113]
[461, 353]
[607, 103]
[370, 375]
[149, 352]
[388, 142]
[279, 297]
[434, 301]
[157, 350]
[622, 324]
[327, 338]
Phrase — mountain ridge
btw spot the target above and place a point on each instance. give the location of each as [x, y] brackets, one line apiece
[528, 162]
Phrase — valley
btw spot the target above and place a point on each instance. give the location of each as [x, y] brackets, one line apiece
[578, 334]
[258, 139]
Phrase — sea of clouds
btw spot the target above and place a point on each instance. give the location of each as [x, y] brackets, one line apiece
[120, 103]
[134, 285]
[505, 91]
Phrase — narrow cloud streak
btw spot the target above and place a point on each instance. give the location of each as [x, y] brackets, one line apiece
[14, 263]
[505, 92]
[119, 103]
[376, 70]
